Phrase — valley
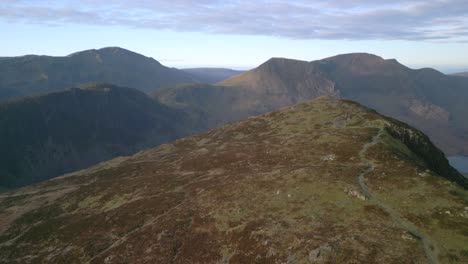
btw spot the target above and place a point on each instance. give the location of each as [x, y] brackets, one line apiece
[212, 75]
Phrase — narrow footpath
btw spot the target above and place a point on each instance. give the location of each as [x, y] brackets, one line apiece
[429, 248]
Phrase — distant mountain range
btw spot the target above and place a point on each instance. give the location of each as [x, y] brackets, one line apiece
[46, 135]
[212, 75]
[425, 98]
[31, 74]
[325, 181]
[60, 132]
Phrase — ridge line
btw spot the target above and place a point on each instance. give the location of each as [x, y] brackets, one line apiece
[429, 248]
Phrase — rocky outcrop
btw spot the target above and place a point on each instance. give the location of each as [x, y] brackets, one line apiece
[421, 145]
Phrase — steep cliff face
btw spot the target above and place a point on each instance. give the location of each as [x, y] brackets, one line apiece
[421, 146]
[326, 181]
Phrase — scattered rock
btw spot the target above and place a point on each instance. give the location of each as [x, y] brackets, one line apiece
[329, 157]
[407, 236]
[319, 255]
[292, 259]
[109, 259]
[355, 194]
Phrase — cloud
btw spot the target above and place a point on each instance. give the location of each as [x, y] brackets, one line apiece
[437, 20]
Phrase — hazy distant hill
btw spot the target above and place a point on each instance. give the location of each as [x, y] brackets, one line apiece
[212, 75]
[463, 74]
[31, 74]
[326, 181]
[52, 134]
[425, 98]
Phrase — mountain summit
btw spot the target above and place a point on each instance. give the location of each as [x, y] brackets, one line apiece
[326, 181]
[29, 75]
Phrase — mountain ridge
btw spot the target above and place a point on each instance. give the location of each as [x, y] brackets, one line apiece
[425, 98]
[296, 175]
[31, 74]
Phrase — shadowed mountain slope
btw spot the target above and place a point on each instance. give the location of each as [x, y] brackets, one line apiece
[59, 132]
[211, 104]
[211, 75]
[326, 181]
[425, 98]
[28, 75]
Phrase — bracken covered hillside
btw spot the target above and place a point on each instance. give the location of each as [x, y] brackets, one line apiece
[326, 181]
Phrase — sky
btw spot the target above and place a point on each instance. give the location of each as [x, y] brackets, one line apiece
[242, 34]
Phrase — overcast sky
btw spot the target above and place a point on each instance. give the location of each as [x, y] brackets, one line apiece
[242, 34]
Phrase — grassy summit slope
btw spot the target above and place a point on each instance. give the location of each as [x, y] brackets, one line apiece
[325, 181]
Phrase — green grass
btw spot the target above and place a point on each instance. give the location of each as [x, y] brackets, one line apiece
[255, 191]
